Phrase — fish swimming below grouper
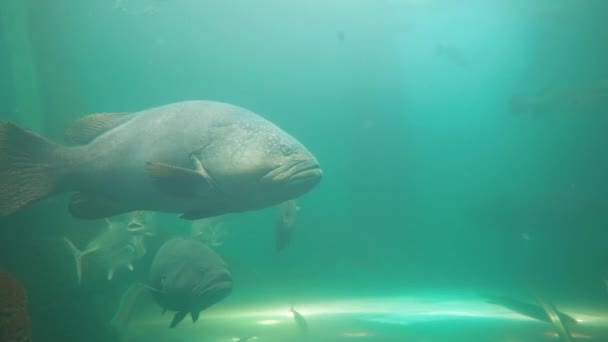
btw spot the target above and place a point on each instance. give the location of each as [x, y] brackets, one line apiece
[210, 231]
[187, 276]
[197, 158]
[285, 218]
[117, 246]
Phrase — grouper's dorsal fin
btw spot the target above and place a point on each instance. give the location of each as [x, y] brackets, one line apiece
[86, 129]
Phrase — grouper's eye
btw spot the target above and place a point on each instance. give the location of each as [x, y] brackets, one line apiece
[287, 149]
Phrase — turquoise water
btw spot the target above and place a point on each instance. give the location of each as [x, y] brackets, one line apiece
[462, 143]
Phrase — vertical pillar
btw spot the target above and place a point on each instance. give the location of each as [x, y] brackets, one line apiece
[14, 28]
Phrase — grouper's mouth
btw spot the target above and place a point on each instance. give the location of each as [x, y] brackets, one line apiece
[219, 289]
[291, 180]
[304, 172]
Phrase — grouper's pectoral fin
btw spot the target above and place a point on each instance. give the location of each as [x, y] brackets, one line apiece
[178, 318]
[86, 129]
[85, 206]
[195, 315]
[179, 181]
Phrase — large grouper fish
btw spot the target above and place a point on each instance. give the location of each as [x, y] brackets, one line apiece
[196, 158]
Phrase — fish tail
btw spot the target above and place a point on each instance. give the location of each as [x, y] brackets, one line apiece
[78, 254]
[30, 167]
[127, 305]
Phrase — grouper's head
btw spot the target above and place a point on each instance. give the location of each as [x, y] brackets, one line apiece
[193, 285]
[255, 162]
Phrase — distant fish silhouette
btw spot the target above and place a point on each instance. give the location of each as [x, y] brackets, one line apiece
[556, 319]
[286, 214]
[299, 319]
[210, 231]
[128, 302]
[531, 310]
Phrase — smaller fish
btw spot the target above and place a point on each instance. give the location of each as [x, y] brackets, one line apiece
[210, 231]
[128, 301]
[137, 222]
[299, 319]
[140, 226]
[286, 214]
[119, 245]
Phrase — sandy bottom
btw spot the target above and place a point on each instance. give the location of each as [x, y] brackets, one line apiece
[412, 318]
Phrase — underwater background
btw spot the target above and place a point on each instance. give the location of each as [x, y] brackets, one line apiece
[463, 145]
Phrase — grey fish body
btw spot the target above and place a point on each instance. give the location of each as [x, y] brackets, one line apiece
[188, 277]
[167, 134]
[198, 158]
[285, 219]
[116, 247]
[299, 319]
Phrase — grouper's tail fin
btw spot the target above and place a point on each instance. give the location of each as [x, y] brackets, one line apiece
[30, 167]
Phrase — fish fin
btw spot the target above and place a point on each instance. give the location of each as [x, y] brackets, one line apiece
[128, 303]
[299, 319]
[111, 225]
[179, 316]
[198, 165]
[111, 273]
[31, 167]
[94, 207]
[86, 129]
[178, 181]
[77, 258]
[195, 315]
